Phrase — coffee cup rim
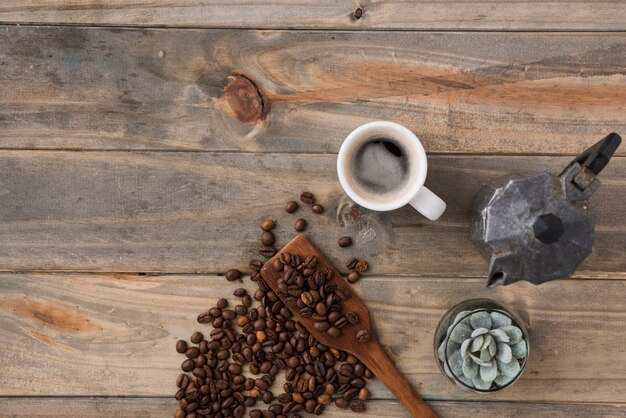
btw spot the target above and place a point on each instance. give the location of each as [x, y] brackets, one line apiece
[395, 131]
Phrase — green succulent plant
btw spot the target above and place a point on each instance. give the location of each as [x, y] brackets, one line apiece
[484, 349]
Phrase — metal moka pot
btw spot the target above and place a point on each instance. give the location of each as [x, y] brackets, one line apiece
[538, 228]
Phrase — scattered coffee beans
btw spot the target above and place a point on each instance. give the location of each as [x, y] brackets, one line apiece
[361, 266]
[232, 275]
[345, 242]
[307, 197]
[268, 225]
[351, 264]
[267, 238]
[300, 225]
[363, 336]
[353, 277]
[267, 251]
[291, 207]
[265, 340]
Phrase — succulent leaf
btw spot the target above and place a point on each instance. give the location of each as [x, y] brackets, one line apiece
[461, 315]
[470, 369]
[465, 347]
[456, 363]
[460, 333]
[452, 347]
[478, 361]
[485, 355]
[480, 320]
[504, 353]
[441, 351]
[487, 342]
[493, 348]
[479, 331]
[480, 383]
[477, 343]
[499, 320]
[503, 380]
[499, 335]
[514, 333]
[488, 373]
[511, 368]
[519, 350]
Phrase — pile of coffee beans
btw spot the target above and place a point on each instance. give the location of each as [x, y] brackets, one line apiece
[233, 370]
[307, 288]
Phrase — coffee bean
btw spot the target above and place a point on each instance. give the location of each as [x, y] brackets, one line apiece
[342, 403]
[342, 293]
[344, 242]
[307, 197]
[229, 314]
[232, 275]
[291, 206]
[361, 266]
[334, 332]
[351, 393]
[255, 265]
[364, 394]
[238, 412]
[268, 225]
[352, 317]
[267, 251]
[182, 381]
[307, 298]
[317, 208]
[181, 346]
[363, 336]
[351, 264]
[300, 225]
[341, 323]
[188, 365]
[267, 238]
[357, 406]
[204, 318]
[222, 303]
[192, 352]
[278, 265]
[353, 277]
[255, 413]
[235, 368]
[321, 326]
[196, 337]
[310, 261]
[181, 414]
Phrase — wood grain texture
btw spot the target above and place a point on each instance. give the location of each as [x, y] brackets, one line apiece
[164, 407]
[325, 14]
[299, 91]
[94, 335]
[199, 212]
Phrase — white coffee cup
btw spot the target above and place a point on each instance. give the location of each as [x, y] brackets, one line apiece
[410, 191]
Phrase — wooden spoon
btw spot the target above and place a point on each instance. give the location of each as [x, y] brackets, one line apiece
[370, 352]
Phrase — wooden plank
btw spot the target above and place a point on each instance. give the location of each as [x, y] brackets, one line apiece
[326, 14]
[199, 212]
[298, 91]
[164, 407]
[114, 334]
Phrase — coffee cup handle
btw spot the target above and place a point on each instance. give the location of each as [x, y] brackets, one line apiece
[428, 204]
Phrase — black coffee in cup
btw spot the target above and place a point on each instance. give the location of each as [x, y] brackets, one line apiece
[381, 166]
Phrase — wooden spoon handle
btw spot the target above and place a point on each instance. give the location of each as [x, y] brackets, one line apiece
[377, 360]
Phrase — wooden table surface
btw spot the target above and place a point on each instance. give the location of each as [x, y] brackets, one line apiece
[141, 142]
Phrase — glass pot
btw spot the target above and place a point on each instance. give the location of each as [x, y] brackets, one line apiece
[463, 342]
